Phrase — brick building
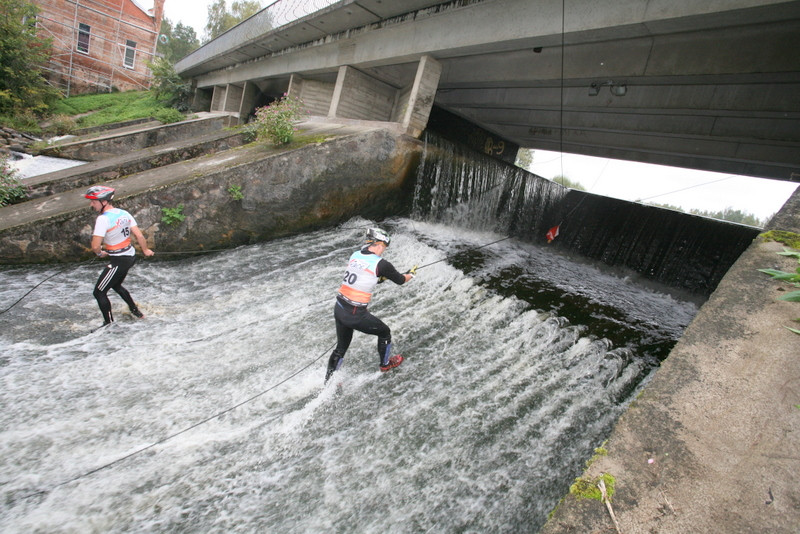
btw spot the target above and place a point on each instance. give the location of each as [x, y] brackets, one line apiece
[99, 45]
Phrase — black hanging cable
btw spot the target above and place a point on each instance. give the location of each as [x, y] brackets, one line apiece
[175, 434]
[561, 95]
[31, 290]
[457, 253]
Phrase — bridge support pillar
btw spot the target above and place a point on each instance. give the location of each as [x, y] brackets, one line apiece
[359, 96]
[248, 101]
[316, 95]
[415, 103]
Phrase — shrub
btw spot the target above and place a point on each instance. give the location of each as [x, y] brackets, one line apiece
[169, 115]
[12, 190]
[61, 125]
[276, 121]
[173, 215]
[235, 191]
[169, 87]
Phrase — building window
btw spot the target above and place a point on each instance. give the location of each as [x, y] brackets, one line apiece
[130, 53]
[83, 38]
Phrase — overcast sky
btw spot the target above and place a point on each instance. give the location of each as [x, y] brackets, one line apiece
[685, 188]
[192, 13]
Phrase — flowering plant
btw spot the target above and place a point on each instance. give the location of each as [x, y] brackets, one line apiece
[276, 121]
[11, 188]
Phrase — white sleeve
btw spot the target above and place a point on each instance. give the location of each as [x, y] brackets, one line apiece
[100, 226]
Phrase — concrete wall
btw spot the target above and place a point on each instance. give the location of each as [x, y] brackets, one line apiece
[358, 96]
[82, 176]
[316, 95]
[368, 174]
[111, 145]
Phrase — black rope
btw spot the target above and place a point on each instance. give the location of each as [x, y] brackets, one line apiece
[460, 252]
[561, 95]
[193, 426]
[45, 280]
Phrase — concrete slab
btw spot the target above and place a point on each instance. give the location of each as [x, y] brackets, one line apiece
[713, 442]
[131, 163]
[71, 200]
[114, 142]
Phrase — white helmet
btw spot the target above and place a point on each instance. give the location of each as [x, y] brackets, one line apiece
[376, 234]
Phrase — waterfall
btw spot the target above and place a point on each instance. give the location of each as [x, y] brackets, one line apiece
[456, 185]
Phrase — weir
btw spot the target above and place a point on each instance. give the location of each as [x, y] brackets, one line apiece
[459, 186]
[520, 359]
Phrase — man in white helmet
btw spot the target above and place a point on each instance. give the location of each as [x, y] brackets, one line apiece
[111, 239]
[365, 270]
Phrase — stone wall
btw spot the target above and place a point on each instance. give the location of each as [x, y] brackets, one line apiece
[282, 193]
[102, 147]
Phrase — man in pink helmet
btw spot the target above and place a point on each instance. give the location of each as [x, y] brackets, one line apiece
[111, 239]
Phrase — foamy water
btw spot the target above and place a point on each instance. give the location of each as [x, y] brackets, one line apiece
[210, 415]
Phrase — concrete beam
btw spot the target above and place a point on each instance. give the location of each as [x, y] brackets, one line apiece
[723, 74]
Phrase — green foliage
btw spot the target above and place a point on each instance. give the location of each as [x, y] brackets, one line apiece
[110, 107]
[728, 214]
[276, 121]
[61, 125]
[168, 88]
[172, 215]
[168, 116]
[731, 215]
[176, 43]
[11, 189]
[524, 158]
[235, 191]
[25, 121]
[566, 182]
[791, 278]
[221, 20]
[790, 239]
[23, 89]
[586, 488]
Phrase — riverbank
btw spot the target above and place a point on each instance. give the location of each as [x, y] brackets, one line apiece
[242, 195]
[712, 444]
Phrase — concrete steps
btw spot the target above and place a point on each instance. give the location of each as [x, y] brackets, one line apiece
[132, 162]
[334, 171]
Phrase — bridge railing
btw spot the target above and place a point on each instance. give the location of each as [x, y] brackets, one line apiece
[270, 18]
[285, 11]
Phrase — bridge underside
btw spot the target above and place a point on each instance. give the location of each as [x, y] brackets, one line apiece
[668, 82]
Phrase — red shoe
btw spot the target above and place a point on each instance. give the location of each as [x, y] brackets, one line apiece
[394, 361]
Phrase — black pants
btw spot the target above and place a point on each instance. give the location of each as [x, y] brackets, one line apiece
[112, 277]
[351, 318]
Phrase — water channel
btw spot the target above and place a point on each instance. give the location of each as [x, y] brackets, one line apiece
[211, 416]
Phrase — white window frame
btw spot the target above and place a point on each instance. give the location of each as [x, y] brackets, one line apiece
[129, 62]
[83, 32]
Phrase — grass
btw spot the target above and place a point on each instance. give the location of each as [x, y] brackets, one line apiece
[100, 109]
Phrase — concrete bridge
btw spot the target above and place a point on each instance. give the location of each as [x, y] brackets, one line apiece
[705, 85]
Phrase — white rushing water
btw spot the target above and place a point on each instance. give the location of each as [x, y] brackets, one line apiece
[28, 166]
[210, 415]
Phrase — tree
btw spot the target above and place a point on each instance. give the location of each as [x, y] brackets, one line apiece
[732, 215]
[566, 182]
[22, 52]
[176, 43]
[524, 158]
[221, 20]
[168, 87]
